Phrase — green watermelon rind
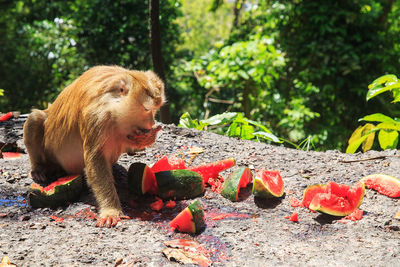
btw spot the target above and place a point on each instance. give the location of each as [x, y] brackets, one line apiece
[197, 215]
[179, 184]
[136, 174]
[318, 207]
[260, 189]
[230, 187]
[367, 180]
[60, 195]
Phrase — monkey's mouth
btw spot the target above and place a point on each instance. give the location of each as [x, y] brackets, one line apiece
[143, 136]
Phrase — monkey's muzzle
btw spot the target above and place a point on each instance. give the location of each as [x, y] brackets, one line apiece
[143, 138]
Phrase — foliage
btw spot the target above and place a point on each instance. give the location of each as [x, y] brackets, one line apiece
[234, 125]
[387, 128]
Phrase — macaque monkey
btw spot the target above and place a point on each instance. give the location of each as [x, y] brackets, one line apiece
[107, 111]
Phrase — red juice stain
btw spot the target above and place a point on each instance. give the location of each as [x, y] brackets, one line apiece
[86, 213]
[294, 202]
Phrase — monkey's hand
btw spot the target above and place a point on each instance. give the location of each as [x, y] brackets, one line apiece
[110, 221]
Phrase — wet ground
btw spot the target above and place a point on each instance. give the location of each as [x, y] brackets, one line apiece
[247, 233]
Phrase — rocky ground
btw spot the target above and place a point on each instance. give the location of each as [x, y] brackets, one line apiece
[250, 232]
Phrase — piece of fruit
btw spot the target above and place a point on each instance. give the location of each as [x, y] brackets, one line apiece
[170, 204]
[238, 179]
[166, 164]
[267, 184]
[190, 220]
[58, 193]
[11, 155]
[157, 205]
[179, 184]
[212, 170]
[294, 217]
[384, 184]
[338, 199]
[6, 116]
[310, 192]
[141, 179]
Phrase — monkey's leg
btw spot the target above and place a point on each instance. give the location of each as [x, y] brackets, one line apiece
[101, 181]
[33, 139]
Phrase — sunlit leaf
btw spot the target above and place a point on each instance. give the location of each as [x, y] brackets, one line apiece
[186, 121]
[223, 118]
[367, 144]
[268, 136]
[353, 146]
[379, 117]
[355, 136]
[379, 90]
[259, 125]
[247, 132]
[382, 80]
[388, 139]
[243, 74]
[389, 126]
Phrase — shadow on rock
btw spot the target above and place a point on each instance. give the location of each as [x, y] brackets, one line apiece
[326, 219]
[245, 193]
[268, 203]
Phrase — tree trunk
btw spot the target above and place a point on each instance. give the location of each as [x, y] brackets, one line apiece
[156, 55]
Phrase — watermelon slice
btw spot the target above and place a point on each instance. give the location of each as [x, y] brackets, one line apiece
[310, 192]
[384, 184]
[6, 116]
[337, 199]
[11, 155]
[166, 164]
[212, 170]
[56, 194]
[267, 184]
[190, 220]
[238, 179]
[141, 179]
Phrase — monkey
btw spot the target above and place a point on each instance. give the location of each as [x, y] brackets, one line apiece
[107, 111]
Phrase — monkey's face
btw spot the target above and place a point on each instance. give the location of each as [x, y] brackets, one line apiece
[141, 95]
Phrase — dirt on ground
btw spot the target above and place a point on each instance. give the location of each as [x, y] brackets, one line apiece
[251, 232]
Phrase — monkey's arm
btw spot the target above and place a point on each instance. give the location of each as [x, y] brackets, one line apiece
[101, 181]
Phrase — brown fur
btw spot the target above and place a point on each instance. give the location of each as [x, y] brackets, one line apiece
[88, 127]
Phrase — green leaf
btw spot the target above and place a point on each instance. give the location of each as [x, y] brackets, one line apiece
[223, 118]
[247, 132]
[268, 136]
[379, 90]
[186, 121]
[243, 74]
[233, 130]
[259, 125]
[353, 146]
[382, 80]
[389, 126]
[367, 144]
[379, 117]
[388, 139]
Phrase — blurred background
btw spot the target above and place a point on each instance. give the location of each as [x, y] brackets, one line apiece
[297, 69]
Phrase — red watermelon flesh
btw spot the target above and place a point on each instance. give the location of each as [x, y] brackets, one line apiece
[268, 183]
[149, 182]
[310, 192]
[183, 222]
[167, 164]
[60, 181]
[384, 184]
[338, 199]
[11, 155]
[212, 170]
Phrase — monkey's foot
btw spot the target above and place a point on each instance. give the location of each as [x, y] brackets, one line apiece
[39, 177]
[110, 221]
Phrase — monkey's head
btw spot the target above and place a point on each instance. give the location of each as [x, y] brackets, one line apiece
[142, 96]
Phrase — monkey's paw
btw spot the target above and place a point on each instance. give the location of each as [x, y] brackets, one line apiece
[110, 221]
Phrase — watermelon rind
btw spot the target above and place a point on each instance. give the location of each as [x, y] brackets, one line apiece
[137, 175]
[198, 215]
[263, 189]
[230, 187]
[60, 195]
[385, 184]
[190, 220]
[354, 197]
[179, 184]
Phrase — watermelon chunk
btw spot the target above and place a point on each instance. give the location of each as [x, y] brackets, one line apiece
[384, 184]
[310, 192]
[11, 155]
[190, 220]
[338, 199]
[166, 164]
[238, 179]
[267, 184]
[212, 170]
[141, 179]
[56, 194]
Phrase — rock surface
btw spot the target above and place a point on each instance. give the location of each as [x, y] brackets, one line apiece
[251, 232]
